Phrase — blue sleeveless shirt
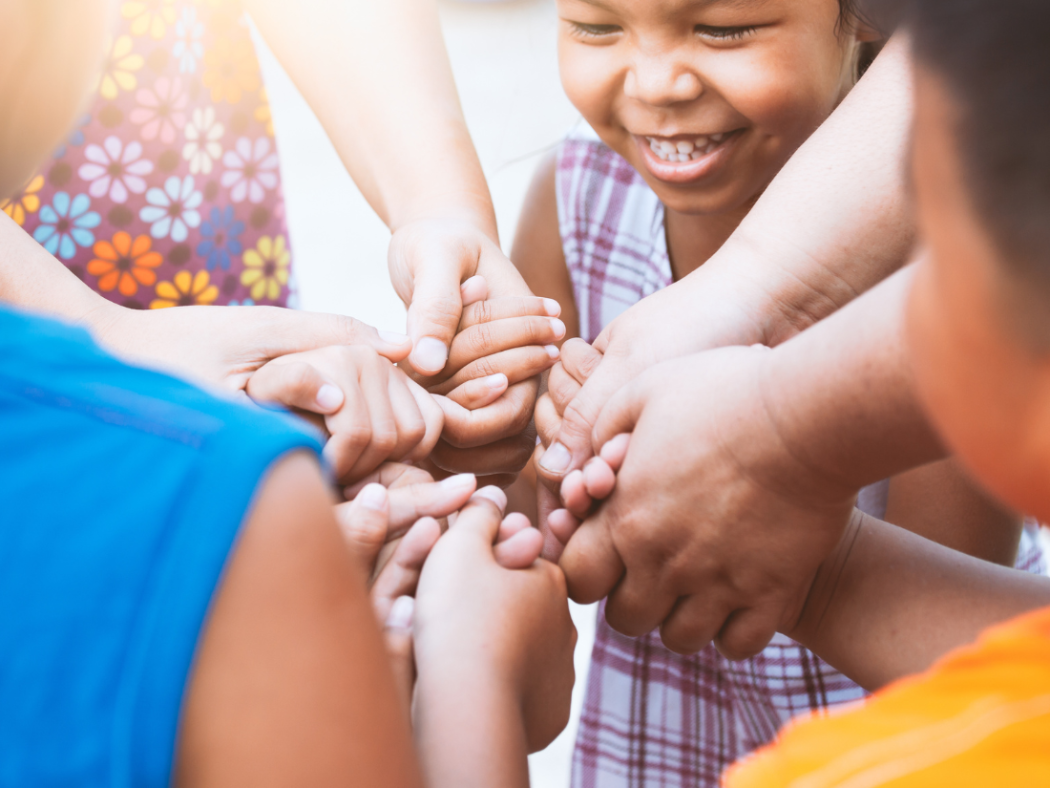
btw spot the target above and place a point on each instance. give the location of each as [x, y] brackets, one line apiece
[122, 492]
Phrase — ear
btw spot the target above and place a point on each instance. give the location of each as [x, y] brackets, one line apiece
[865, 32]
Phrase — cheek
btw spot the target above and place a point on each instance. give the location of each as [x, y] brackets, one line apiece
[960, 365]
[589, 78]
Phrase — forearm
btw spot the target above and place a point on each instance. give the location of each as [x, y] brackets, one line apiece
[378, 77]
[888, 603]
[32, 279]
[835, 220]
[469, 733]
[841, 396]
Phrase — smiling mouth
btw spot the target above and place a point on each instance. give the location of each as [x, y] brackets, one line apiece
[685, 149]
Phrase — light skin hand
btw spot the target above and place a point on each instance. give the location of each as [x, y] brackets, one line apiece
[498, 641]
[381, 415]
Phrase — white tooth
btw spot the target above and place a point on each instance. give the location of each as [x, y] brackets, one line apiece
[717, 137]
[696, 154]
[683, 157]
[668, 147]
[701, 142]
[654, 145]
[685, 146]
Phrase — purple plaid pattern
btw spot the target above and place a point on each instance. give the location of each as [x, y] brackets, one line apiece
[653, 718]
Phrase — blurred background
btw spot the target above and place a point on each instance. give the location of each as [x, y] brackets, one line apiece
[504, 58]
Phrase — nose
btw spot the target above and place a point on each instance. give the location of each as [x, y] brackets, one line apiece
[661, 79]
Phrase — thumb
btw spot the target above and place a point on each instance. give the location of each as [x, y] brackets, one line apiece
[481, 517]
[285, 331]
[363, 522]
[620, 415]
[572, 447]
[433, 316]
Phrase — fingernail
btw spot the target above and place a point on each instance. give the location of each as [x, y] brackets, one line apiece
[558, 327]
[552, 351]
[373, 496]
[458, 482]
[494, 494]
[393, 337]
[494, 382]
[329, 397]
[556, 459]
[552, 307]
[429, 355]
[401, 613]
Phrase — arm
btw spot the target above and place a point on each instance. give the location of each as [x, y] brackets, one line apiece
[887, 603]
[831, 224]
[378, 77]
[784, 436]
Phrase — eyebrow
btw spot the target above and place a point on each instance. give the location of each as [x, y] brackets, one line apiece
[694, 3]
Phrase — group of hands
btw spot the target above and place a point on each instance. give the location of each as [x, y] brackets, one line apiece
[663, 483]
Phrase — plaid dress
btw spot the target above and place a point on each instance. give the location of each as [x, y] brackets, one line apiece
[653, 718]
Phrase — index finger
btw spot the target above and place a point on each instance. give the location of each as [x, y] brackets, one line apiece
[500, 308]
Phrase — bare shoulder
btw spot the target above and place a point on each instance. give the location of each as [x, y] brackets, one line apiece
[291, 683]
[537, 249]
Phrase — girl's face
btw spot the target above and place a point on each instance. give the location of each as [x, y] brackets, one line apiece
[707, 99]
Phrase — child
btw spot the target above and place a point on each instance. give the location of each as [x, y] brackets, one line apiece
[977, 330]
[185, 609]
[695, 112]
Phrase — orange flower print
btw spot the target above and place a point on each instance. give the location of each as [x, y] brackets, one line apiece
[124, 264]
[185, 289]
[266, 268]
[149, 16]
[119, 71]
[230, 70]
[26, 202]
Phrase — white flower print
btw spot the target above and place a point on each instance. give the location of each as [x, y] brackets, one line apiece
[251, 169]
[115, 168]
[188, 48]
[173, 209]
[202, 140]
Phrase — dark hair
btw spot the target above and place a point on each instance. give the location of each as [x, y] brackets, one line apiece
[853, 13]
[994, 58]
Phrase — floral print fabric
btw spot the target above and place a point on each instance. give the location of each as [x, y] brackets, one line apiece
[168, 192]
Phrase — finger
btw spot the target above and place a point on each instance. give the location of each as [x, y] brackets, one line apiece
[512, 524]
[375, 387]
[562, 524]
[433, 315]
[516, 364]
[694, 622]
[598, 478]
[519, 551]
[581, 359]
[590, 561]
[746, 632]
[478, 393]
[501, 308]
[547, 420]
[614, 451]
[433, 499]
[397, 637]
[574, 494]
[474, 289]
[507, 416]
[506, 456]
[638, 603]
[410, 428]
[389, 474]
[573, 445]
[562, 387]
[295, 385]
[363, 522]
[480, 519]
[485, 339]
[400, 575]
[433, 418]
[350, 431]
[285, 331]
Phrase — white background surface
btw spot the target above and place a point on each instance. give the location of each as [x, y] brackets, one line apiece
[505, 63]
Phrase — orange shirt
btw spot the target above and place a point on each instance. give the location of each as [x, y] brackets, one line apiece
[980, 716]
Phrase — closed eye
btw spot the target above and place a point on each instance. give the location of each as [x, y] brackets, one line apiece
[584, 30]
[724, 33]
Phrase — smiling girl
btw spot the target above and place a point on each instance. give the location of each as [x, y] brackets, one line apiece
[692, 107]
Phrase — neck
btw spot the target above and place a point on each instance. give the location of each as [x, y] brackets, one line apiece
[692, 239]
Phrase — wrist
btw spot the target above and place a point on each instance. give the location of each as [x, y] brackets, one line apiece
[468, 206]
